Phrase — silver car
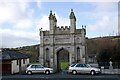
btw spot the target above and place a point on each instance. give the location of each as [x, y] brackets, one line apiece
[83, 68]
[38, 68]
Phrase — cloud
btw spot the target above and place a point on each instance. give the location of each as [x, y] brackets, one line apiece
[80, 0]
[105, 26]
[18, 14]
[102, 20]
[24, 24]
[104, 8]
[62, 21]
[17, 38]
[12, 11]
[6, 13]
[44, 22]
[38, 3]
[24, 21]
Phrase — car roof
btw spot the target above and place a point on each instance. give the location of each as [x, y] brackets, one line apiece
[35, 64]
[77, 63]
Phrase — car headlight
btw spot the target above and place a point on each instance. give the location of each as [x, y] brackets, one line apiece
[97, 70]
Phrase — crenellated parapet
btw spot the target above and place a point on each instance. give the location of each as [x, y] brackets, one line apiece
[65, 30]
[62, 29]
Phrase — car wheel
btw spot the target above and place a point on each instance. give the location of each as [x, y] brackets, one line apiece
[29, 72]
[92, 72]
[74, 72]
[47, 72]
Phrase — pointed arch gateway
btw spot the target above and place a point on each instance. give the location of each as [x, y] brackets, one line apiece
[57, 47]
[62, 59]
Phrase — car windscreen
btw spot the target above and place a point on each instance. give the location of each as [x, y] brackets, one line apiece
[88, 65]
[73, 65]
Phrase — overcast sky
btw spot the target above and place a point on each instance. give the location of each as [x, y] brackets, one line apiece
[20, 20]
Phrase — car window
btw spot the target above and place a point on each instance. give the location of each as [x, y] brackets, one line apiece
[79, 65]
[33, 66]
[85, 65]
[73, 65]
[39, 66]
[88, 65]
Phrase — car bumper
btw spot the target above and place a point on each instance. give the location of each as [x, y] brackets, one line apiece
[51, 71]
[26, 71]
[69, 71]
[97, 72]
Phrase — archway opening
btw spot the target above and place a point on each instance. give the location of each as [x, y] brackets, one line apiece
[62, 59]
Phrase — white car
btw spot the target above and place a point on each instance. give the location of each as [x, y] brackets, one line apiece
[83, 68]
[38, 68]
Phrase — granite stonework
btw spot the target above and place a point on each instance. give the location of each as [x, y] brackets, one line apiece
[62, 38]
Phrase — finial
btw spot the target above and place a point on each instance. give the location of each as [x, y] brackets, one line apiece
[54, 17]
[85, 26]
[82, 26]
[71, 10]
[40, 29]
[50, 11]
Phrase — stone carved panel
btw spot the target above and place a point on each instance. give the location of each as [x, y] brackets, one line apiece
[78, 39]
[46, 40]
[62, 40]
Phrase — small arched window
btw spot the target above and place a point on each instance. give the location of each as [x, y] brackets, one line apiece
[78, 54]
[47, 54]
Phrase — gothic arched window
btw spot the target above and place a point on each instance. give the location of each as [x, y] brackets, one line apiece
[78, 54]
[47, 55]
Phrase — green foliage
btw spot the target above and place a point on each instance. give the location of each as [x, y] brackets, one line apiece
[64, 65]
[33, 51]
[105, 48]
[104, 56]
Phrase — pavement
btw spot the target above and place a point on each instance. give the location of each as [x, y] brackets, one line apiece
[110, 71]
[61, 76]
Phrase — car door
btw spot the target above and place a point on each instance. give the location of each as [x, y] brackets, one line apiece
[86, 68]
[32, 68]
[40, 69]
[83, 68]
[79, 68]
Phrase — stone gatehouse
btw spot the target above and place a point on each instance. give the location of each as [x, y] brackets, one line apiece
[65, 43]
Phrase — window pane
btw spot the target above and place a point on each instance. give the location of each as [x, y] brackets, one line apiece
[78, 65]
[47, 54]
[84, 65]
[39, 66]
[78, 54]
[33, 66]
[23, 61]
[72, 65]
[17, 62]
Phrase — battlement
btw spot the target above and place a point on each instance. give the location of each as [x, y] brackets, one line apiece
[63, 28]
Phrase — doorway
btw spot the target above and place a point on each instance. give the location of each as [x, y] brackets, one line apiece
[62, 59]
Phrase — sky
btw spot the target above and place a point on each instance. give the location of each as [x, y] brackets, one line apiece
[20, 21]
